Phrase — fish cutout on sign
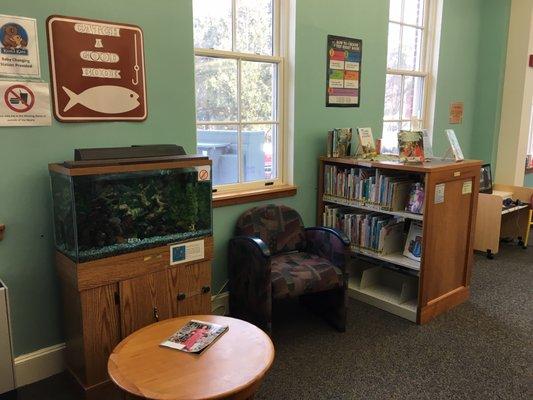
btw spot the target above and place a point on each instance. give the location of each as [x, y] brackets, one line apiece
[104, 99]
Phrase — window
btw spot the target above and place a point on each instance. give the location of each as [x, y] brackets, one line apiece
[238, 73]
[408, 69]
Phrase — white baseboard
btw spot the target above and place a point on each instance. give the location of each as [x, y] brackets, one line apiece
[40, 364]
[43, 363]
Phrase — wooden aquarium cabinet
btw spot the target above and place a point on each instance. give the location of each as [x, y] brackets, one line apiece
[415, 290]
[106, 299]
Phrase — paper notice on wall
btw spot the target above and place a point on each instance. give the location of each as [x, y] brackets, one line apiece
[19, 47]
[186, 252]
[439, 193]
[467, 187]
[25, 104]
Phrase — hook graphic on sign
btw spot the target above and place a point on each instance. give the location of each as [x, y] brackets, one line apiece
[136, 68]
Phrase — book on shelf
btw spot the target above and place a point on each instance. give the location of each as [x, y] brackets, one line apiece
[385, 190]
[195, 336]
[373, 231]
[411, 146]
[413, 243]
[339, 142]
[454, 145]
[366, 140]
[415, 202]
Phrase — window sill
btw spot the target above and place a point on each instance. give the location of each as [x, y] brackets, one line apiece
[248, 196]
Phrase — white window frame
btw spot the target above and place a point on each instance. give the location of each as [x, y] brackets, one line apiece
[429, 63]
[280, 50]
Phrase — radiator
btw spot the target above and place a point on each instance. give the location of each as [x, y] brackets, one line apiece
[7, 378]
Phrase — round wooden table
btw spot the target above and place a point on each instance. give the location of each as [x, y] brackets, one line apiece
[232, 367]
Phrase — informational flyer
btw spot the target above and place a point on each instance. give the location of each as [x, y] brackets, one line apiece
[343, 87]
[25, 104]
[19, 47]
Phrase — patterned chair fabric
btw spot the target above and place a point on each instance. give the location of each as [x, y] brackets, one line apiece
[273, 257]
[280, 227]
[295, 274]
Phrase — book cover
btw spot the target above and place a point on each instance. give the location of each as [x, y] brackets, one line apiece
[413, 244]
[454, 144]
[342, 142]
[411, 146]
[415, 203]
[195, 336]
[366, 139]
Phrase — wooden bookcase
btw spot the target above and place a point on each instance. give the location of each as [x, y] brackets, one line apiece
[395, 283]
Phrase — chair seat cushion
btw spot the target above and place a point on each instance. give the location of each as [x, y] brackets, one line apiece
[295, 274]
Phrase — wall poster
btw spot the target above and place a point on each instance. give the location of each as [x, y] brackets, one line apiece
[343, 88]
[97, 70]
[19, 47]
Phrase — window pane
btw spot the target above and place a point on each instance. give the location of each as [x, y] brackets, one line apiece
[254, 26]
[411, 48]
[220, 144]
[413, 89]
[389, 139]
[413, 12]
[395, 11]
[216, 89]
[393, 96]
[258, 144]
[212, 24]
[257, 91]
[393, 47]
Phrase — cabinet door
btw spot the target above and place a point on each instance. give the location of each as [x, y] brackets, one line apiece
[101, 331]
[190, 287]
[143, 301]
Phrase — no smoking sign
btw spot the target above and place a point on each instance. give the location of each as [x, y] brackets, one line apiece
[204, 173]
[19, 98]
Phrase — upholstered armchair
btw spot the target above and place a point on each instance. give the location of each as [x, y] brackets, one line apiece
[273, 257]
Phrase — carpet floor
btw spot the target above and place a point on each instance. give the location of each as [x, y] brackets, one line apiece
[482, 349]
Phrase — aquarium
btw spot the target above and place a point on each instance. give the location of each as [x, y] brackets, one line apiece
[103, 215]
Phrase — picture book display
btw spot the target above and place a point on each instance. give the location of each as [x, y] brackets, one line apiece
[411, 146]
[339, 142]
[195, 336]
[454, 145]
[413, 244]
[366, 140]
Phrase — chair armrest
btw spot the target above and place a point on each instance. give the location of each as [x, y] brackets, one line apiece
[255, 244]
[328, 243]
[339, 234]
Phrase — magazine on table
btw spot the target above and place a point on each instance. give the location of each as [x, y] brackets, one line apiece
[195, 336]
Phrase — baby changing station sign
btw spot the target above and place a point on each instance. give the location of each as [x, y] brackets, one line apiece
[97, 70]
[19, 47]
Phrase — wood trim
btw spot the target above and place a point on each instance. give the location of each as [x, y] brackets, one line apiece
[249, 196]
[429, 166]
[443, 303]
[112, 169]
[529, 171]
[130, 265]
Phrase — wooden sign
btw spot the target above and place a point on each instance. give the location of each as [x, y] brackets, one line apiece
[456, 112]
[97, 70]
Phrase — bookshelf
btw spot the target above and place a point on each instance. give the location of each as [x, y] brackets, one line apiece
[367, 200]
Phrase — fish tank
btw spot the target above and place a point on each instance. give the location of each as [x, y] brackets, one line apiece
[99, 215]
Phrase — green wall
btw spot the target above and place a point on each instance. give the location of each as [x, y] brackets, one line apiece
[26, 255]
